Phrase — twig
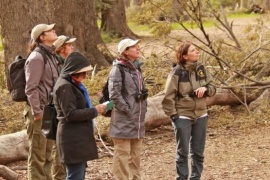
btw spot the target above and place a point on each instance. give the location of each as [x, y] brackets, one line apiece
[103, 142]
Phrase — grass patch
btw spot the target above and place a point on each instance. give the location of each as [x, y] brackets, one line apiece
[139, 28]
[242, 15]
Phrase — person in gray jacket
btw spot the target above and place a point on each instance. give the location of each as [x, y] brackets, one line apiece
[127, 126]
[75, 139]
[187, 87]
[40, 78]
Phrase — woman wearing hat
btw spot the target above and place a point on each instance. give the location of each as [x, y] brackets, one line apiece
[63, 47]
[40, 75]
[75, 132]
[127, 127]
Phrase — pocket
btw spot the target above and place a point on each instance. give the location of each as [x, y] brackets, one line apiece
[27, 109]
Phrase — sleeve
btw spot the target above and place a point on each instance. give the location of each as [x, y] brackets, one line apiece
[67, 101]
[211, 89]
[171, 88]
[115, 86]
[34, 68]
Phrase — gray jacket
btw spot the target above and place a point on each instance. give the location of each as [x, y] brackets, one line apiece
[40, 79]
[128, 115]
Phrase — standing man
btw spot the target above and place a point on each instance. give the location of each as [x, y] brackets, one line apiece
[41, 73]
[63, 47]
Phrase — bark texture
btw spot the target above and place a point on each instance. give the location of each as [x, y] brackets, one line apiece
[13, 147]
[77, 18]
[7, 173]
[17, 18]
[113, 20]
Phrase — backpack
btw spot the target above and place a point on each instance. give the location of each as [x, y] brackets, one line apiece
[105, 91]
[16, 76]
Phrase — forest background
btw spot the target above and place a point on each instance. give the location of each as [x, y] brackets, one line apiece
[233, 38]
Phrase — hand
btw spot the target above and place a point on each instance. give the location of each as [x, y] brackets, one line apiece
[100, 108]
[200, 92]
[37, 117]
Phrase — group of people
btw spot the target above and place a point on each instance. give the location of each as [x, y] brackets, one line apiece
[59, 80]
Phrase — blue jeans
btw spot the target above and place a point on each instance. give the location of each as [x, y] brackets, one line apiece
[190, 133]
[75, 171]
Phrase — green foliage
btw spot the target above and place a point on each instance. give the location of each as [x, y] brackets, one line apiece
[106, 37]
[149, 13]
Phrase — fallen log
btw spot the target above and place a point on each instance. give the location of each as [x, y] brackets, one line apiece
[7, 173]
[13, 147]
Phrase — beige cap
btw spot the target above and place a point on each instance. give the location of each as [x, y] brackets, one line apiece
[61, 40]
[39, 29]
[126, 43]
[87, 68]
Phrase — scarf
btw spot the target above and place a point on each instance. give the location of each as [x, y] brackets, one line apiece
[86, 95]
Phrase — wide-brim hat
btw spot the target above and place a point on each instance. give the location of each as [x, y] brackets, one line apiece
[85, 69]
[61, 40]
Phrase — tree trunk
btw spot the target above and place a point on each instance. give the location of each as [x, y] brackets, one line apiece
[177, 11]
[113, 20]
[7, 173]
[137, 2]
[127, 3]
[13, 147]
[17, 18]
[77, 18]
[266, 5]
[243, 4]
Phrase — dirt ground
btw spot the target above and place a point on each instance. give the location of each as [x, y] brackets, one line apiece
[231, 154]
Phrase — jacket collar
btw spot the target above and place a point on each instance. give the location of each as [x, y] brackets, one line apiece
[129, 64]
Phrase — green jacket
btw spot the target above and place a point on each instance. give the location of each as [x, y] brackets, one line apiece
[181, 83]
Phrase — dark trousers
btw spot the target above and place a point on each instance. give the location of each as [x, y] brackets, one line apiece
[75, 171]
[190, 134]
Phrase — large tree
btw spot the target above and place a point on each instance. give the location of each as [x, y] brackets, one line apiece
[74, 18]
[113, 19]
[17, 18]
[78, 18]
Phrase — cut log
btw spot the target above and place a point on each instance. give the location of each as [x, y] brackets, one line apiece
[155, 116]
[13, 147]
[7, 173]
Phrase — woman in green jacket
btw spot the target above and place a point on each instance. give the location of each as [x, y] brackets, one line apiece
[186, 90]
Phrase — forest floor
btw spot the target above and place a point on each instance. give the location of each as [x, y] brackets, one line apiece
[233, 152]
[230, 154]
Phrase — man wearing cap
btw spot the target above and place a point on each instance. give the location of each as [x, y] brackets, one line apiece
[127, 127]
[75, 134]
[40, 77]
[63, 47]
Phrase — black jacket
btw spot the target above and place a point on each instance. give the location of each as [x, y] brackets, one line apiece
[75, 135]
